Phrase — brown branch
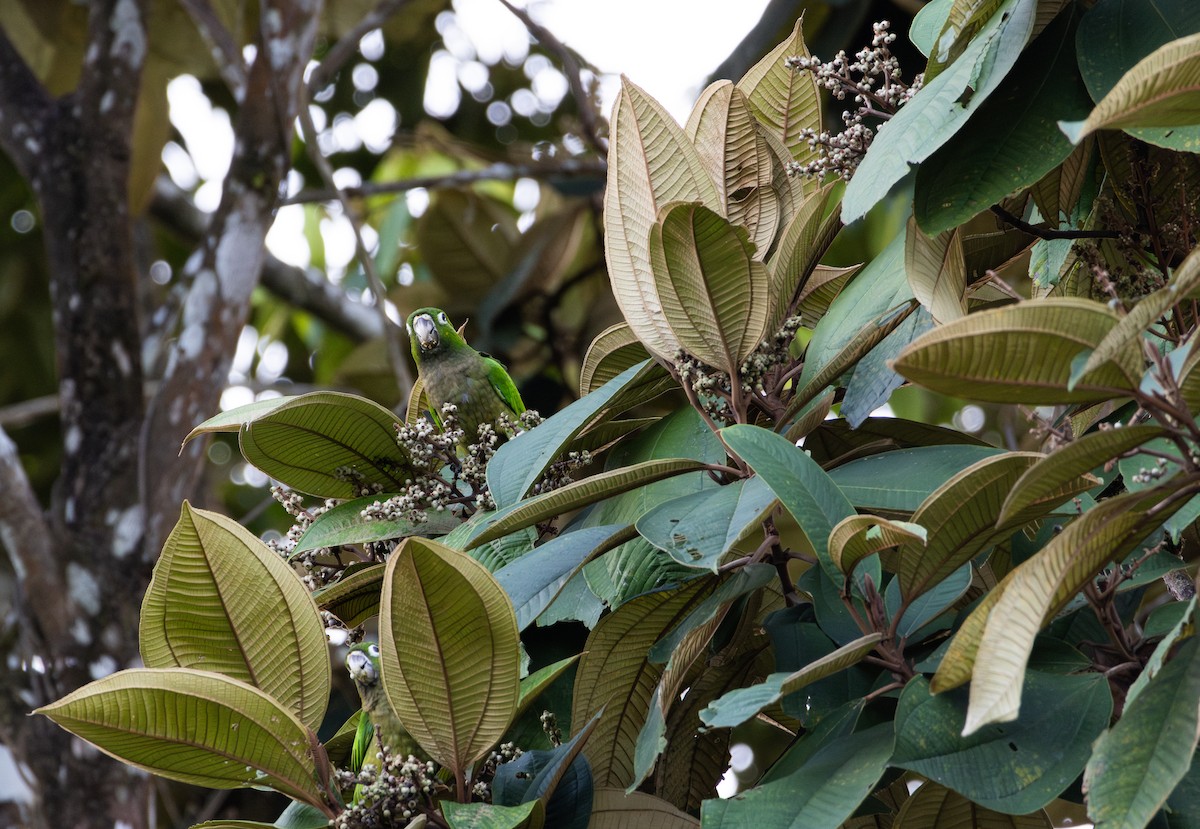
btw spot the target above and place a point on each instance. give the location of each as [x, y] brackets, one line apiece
[567, 169]
[571, 69]
[391, 335]
[25, 536]
[227, 266]
[226, 54]
[25, 107]
[341, 51]
[306, 289]
[1047, 233]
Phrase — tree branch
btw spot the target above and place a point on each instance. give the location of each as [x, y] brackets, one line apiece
[26, 537]
[570, 168]
[25, 108]
[571, 68]
[1047, 233]
[342, 51]
[226, 54]
[229, 261]
[391, 336]
[307, 290]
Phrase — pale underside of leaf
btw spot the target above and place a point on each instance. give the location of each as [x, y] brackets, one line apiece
[650, 163]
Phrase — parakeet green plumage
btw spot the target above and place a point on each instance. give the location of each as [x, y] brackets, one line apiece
[379, 725]
[453, 372]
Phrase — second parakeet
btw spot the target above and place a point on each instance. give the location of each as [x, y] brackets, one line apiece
[385, 729]
[453, 372]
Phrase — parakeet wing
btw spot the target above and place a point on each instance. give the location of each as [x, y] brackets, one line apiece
[364, 737]
[503, 384]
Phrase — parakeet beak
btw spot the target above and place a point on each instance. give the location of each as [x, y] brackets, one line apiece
[361, 669]
[425, 332]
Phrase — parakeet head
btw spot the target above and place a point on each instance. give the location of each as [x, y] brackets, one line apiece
[363, 663]
[430, 331]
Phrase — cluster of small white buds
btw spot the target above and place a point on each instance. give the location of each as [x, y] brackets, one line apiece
[872, 79]
[401, 790]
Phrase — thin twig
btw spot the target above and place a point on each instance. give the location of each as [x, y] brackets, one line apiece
[227, 55]
[391, 335]
[1047, 233]
[571, 68]
[567, 168]
[341, 51]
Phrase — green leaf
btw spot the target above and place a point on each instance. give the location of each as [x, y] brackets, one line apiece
[784, 100]
[354, 597]
[521, 462]
[616, 673]
[880, 286]
[821, 794]
[1021, 353]
[494, 554]
[928, 24]
[442, 608]
[1128, 333]
[533, 685]
[193, 726]
[937, 271]
[579, 494]
[940, 109]
[804, 489]
[535, 579]
[752, 182]
[1015, 768]
[743, 581]
[345, 524]
[296, 816]
[1138, 762]
[490, 816]
[929, 605]
[1161, 90]
[1013, 140]
[714, 294]
[859, 536]
[802, 243]
[960, 518]
[612, 808]
[234, 420]
[1181, 629]
[1115, 34]
[467, 240]
[963, 21]
[697, 530]
[650, 164]
[221, 601]
[900, 480]
[737, 706]
[612, 351]
[813, 383]
[936, 807]
[1040, 587]
[873, 381]
[327, 444]
[1077, 458]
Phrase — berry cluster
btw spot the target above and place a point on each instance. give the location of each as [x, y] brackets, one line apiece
[398, 792]
[873, 79]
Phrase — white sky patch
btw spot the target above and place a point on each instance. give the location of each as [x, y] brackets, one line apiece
[339, 241]
[376, 124]
[495, 33]
[102, 667]
[442, 93]
[207, 131]
[286, 239]
[669, 53]
[235, 396]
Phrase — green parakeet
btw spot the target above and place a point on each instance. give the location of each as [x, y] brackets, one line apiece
[379, 725]
[453, 372]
